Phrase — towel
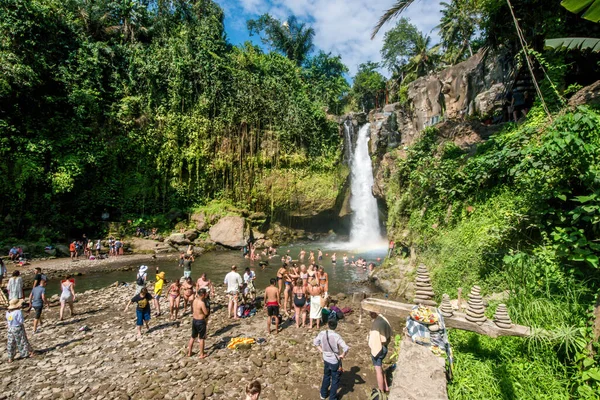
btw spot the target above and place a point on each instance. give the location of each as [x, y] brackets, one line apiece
[379, 335]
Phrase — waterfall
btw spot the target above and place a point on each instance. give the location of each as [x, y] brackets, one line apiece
[348, 133]
[365, 216]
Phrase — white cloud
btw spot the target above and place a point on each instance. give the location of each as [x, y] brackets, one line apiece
[341, 26]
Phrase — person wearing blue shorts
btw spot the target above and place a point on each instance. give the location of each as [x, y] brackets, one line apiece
[142, 310]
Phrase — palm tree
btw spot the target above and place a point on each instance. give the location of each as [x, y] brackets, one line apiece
[292, 38]
[424, 60]
[459, 21]
[129, 16]
[393, 12]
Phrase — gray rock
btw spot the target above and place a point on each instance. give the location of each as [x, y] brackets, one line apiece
[229, 232]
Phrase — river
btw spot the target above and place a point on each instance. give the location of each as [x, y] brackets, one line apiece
[342, 278]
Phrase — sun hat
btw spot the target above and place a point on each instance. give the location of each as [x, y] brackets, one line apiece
[161, 274]
[143, 268]
[15, 304]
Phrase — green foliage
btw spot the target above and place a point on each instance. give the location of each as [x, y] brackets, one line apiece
[458, 26]
[137, 108]
[589, 8]
[581, 44]
[368, 86]
[292, 38]
[325, 74]
[520, 215]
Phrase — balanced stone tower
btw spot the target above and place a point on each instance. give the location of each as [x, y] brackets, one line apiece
[424, 291]
[446, 307]
[501, 318]
[475, 309]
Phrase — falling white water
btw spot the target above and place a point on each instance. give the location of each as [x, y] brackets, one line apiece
[348, 132]
[365, 216]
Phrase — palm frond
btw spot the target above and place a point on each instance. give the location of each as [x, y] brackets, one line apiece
[592, 44]
[394, 11]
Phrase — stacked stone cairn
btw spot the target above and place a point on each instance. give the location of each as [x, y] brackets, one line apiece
[475, 309]
[424, 291]
[446, 307]
[501, 318]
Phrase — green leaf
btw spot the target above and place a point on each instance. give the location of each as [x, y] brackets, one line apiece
[590, 8]
[592, 44]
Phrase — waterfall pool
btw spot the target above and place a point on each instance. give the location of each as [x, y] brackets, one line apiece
[216, 264]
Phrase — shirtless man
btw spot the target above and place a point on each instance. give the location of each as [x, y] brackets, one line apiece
[200, 313]
[333, 258]
[301, 255]
[272, 305]
[320, 255]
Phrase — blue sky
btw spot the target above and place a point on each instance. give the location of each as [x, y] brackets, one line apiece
[341, 26]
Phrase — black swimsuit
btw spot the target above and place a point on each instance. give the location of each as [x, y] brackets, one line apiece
[299, 299]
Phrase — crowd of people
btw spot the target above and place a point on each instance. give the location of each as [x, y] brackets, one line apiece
[296, 293]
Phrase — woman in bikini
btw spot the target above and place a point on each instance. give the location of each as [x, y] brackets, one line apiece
[299, 293]
[323, 280]
[174, 297]
[280, 273]
[188, 293]
[289, 278]
[304, 275]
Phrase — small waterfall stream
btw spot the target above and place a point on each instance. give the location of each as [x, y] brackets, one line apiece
[365, 228]
[348, 132]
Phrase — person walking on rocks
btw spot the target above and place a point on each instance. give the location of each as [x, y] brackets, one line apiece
[234, 281]
[158, 289]
[37, 299]
[174, 299]
[316, 308]
[200, 314]
[334, 349]
[272, 305]
[15, 286]
[67, 295]
[142, 310]
[140, 279]
[204, 282]
[379, 338]
[17, 338]
[73, 250]
[38, 276]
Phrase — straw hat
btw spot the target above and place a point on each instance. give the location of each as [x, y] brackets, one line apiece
[15, 304]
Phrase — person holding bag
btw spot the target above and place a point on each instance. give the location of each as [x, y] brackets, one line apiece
[329, 344]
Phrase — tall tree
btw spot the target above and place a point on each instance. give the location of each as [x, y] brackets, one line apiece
[325, 74]
[291, 37]
[368, 87]
[460, 20]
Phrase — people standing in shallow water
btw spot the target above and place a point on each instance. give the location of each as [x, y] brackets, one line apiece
[311, 257]
[345, 259]
[142, 310]
[174, 298]
[200, 314]
[272, 297]
[319, 255]
[333, 258]
[301, 255]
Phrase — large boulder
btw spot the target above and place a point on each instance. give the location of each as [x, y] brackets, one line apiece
[229, 232]
[589, 95]
[190, 235]
[200, 220]
[178, 239]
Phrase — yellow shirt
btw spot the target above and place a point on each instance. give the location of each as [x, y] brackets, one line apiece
[158, 286]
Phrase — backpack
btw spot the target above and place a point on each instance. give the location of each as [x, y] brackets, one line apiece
[335, 310]
[140, 280]
[377, 394]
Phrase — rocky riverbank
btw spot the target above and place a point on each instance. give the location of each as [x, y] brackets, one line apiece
[108, 361]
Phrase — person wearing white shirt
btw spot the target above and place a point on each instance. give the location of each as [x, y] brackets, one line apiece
[233, 280]
[250, 290]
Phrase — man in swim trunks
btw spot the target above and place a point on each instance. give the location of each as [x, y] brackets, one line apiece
[200, 314]
[272, 305]
[320, 255]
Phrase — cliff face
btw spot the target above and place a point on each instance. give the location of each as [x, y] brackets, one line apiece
[475, 87]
